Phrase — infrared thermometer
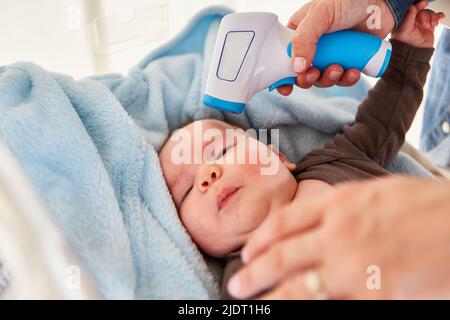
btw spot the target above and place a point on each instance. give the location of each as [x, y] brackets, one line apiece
[253, 52]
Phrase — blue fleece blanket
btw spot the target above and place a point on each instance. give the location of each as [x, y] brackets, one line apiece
[90, 150]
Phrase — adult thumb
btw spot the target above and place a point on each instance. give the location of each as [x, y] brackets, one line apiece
[306, 37]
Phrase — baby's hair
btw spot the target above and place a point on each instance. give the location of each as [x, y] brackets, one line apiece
[186, 123]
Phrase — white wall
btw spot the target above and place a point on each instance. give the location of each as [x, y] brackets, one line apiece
[41, 31]
[52, 32]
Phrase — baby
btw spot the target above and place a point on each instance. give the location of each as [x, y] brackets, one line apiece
[221, 203]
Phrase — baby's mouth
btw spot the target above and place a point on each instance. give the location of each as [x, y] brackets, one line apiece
[225, 195]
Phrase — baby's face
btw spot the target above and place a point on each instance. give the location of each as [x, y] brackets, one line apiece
[220, 200]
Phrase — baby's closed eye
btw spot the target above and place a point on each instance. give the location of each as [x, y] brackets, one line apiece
[224, 151]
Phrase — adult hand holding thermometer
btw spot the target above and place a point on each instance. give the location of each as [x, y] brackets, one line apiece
[253, 51]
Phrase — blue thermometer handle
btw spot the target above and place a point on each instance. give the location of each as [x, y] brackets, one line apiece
[352, 50]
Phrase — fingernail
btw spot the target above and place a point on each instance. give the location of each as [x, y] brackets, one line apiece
[311, 78]
[353, 77]
[234, 286]
[299, 64]
[334, 75]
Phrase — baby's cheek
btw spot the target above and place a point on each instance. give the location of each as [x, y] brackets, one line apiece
[191, 216]
[249, 170]
[252, 214]
[254, 163]
[198, 224]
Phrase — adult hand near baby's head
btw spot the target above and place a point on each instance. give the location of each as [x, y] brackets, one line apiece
[385, 239]
[324, 16]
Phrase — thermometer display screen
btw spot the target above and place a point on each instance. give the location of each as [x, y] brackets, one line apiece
[234, 51]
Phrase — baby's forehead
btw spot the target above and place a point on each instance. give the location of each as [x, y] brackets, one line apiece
[209, 124]
[201, 129]
[195, 131]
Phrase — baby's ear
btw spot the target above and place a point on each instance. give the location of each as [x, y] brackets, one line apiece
[291, 166]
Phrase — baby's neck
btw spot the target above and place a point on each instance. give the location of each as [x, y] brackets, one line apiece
[306, 190]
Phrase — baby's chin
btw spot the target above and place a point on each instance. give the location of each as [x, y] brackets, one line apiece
[218, 250]
[246, 214]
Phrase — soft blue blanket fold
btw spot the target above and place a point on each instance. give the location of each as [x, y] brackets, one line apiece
[90, 150]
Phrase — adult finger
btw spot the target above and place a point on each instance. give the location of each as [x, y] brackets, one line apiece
[293, 219]
[350, 78]
[294, 288]
[308, 32]
[285, 90]
[307, 79]
[281, 260]
[298, 16]
[331, 76]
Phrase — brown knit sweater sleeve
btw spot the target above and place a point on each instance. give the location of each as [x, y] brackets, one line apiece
[381, 123]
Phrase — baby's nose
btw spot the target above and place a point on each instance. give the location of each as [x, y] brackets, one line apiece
[209, 174]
